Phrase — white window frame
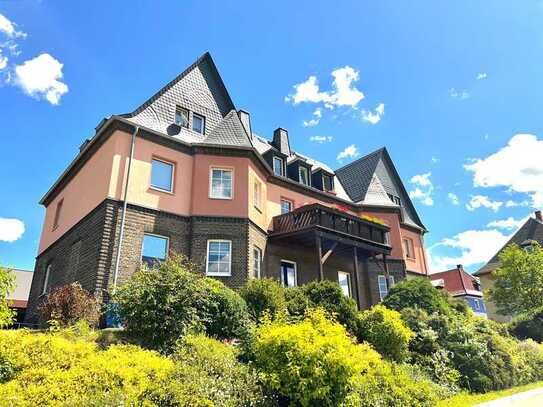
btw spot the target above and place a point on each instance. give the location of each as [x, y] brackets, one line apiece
[179, 108]
[295, 272]
[203, 123]
[257, 194]
[159, 236]
[301, 170]
[477, 304]
[227, 274]
[151, 186]
[231, 170]
[46, 278]
[258, 271]
[349, 282]
[281, 205]
[380, 279]
[282, 166]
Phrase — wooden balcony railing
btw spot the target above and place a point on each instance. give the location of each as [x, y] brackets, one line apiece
[317, 215]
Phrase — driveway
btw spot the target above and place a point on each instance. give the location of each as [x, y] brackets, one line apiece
[532, 398]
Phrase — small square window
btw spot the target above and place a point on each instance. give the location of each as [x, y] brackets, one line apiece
[198, 123]
[278, 166]
[154, 250]
[162, 175]
[257, 262]
[303, 175]
[58, 211]
[344, 280]
[286, 206]
[181, 117]
[219, 257]
[221, 183]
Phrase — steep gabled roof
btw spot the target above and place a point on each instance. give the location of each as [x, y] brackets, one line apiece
[357, 176]
[457, 282]
[229, 132]
[531, 230]
[204, 58]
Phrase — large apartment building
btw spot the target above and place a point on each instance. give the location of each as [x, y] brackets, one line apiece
[185, 173]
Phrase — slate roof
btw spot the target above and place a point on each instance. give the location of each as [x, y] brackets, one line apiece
[229, 132]
[531, 230]
[458, 282]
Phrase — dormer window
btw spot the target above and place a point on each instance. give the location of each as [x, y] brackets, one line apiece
[181, 117]
[278, 166]
[303, 174]
[198, 123]
[328, 184]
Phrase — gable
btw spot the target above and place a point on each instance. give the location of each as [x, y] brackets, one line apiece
[376, 193]
[198, 89]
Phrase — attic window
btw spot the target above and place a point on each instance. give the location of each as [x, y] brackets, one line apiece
[304, 175]
[327, 183]
[395, 199]
[198, 123]
[278, 166]
[181, 117]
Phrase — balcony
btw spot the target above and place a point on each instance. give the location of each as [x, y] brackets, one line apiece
[332, 224]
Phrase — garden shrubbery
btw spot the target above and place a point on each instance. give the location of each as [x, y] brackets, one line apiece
[529, 326]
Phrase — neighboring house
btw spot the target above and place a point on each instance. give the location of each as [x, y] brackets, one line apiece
[197, 180]
[463, 285]
[19, 297]
[531, 231]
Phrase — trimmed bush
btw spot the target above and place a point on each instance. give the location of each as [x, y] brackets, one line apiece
[417, 293]
[69, 304]
[312, 362]
[385, 330]
[163, 304]
[297, 302]
[529, 326]
[264, 296]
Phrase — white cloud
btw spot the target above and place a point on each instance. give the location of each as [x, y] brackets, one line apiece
[453, 198]
[317, 115]
[8, 28]
[40, 78]
[509, 223]
[423, 191]
[321, 139]
[475, 247]
[459, 94]
[517, 166]
[343, 93]
[481, 201]
[3, 60]
[481, 76]
[371, 117]
[11, 229]
[349, 152]
[512, 204]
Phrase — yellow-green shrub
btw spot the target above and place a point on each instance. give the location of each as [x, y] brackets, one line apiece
[386, 331]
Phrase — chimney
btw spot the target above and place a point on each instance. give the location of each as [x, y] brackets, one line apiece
[245, 119]
[538, 216]
[280, 140]
[84, 144]
[460, 267]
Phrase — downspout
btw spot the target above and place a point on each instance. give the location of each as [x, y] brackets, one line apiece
[125, 204]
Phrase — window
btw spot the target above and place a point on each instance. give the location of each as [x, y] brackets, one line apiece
[278, 166]
[155, 249]
[303, 175]
[221, 184]
[257, 194]
[408, 248]
[391, 281]
[162, 175]
[395, 199]
[477, 304]
[286, 206]
[198, 123]
[383, 288]
[288, 273]
[219, 257]
[257, 262]
[327, 183]
[57, 213]
[46, 278]
[181, 117]
[344, 280]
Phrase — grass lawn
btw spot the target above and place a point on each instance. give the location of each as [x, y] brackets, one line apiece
[466, 399]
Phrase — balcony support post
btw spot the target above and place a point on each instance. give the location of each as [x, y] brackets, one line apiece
[357, 286]
[318, 244]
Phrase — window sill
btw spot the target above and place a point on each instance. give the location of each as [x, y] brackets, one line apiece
[164, 191]
[221, 198]
[411, 259]
[218, 274]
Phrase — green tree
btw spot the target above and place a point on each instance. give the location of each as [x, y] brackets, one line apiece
[7, 285]
[518, 286]
[417, 293]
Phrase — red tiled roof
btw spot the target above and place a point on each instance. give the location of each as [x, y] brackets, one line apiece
[458, 282]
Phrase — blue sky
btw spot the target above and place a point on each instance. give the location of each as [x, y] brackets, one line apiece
[452, 89]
